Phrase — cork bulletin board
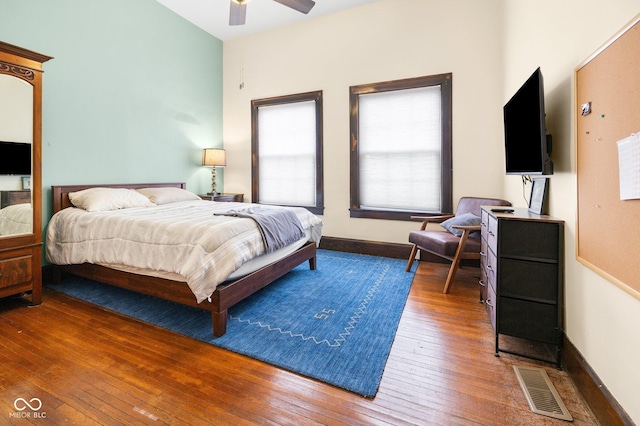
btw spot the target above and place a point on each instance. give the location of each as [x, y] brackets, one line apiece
[608, 111]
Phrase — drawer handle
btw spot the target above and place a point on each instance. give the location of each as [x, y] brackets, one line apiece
[488, 302]
[491, 233]
[489, 267]
[483, 254]
[482, 283]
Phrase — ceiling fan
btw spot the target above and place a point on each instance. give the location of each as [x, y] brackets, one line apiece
[238, 12]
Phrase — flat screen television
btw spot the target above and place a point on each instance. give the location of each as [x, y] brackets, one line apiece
[15, 158]
[527, 145]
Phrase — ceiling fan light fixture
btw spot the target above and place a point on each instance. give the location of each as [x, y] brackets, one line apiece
[238, 10]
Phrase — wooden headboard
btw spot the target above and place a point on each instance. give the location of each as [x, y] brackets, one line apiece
[61, 193]
[9, 198]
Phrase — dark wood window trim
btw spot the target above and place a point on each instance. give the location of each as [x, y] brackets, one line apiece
[444, 80]
[315, 96]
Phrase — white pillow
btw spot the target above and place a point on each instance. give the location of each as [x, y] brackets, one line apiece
[105, 199]
[165, 195]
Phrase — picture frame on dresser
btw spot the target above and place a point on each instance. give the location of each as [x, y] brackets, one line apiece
[539, 195]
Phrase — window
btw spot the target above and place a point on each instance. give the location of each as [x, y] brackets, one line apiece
[401, 148]
[286, 144]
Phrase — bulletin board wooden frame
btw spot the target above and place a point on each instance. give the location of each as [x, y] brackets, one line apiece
[608, 228]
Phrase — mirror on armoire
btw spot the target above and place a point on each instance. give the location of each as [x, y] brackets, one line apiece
[16, 154]
[20, 171]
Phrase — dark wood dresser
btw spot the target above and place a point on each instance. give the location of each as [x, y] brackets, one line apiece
[522, 272]
[9, 198]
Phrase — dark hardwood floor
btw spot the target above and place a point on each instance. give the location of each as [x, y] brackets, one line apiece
[90, 366]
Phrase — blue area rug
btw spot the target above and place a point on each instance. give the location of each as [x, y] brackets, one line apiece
[335, 324]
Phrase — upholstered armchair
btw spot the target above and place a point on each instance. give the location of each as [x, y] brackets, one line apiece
[460, 238]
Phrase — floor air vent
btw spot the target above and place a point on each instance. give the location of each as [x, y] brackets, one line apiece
[540, 393]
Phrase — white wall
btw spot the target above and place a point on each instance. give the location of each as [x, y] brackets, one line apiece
[490, 47]
[387, 40]
[601, 319]
[133, 87]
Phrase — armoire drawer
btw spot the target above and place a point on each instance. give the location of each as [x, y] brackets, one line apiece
[16, 270]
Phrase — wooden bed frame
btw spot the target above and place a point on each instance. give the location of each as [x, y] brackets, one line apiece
[226, 294]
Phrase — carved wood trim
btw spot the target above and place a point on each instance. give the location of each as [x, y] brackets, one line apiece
[20, 72]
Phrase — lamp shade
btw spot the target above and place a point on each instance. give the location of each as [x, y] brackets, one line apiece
[214, 157]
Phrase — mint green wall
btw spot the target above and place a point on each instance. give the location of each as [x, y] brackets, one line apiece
[133, 94]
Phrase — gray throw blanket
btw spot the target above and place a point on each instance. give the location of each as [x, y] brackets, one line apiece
[279, 227]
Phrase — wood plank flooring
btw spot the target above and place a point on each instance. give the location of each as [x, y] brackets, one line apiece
[90, 366]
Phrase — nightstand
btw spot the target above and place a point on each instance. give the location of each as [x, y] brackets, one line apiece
[225, 197]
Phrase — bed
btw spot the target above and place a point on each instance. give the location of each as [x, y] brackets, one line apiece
[16, 219]
[211, 292]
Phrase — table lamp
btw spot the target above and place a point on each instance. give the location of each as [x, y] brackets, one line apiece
[213, 157]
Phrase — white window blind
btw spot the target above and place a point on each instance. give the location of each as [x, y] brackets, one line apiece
[399, 147]
[287, 153]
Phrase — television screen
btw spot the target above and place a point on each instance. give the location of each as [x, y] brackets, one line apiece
[525, 138]
[15, 158]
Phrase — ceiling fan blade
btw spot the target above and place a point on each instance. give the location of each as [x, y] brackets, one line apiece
[303, 6]
[237, 13]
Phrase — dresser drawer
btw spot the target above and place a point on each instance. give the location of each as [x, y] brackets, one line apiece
[483, 278]
[529, 280]
[492, 267]
[483, 284]
[492, 234]
[16, 270]
[533, 240]
[529, 320]
[484, 224]
[490, 303]
[484, 249]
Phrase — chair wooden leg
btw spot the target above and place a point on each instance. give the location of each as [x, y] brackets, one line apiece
[412, 257]
[456, 261]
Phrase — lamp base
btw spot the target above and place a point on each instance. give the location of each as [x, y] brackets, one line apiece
[213, 182]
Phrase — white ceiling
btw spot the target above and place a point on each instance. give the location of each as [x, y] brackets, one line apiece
[213, 15]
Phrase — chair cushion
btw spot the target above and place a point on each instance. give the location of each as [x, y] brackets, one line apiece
[443, 243]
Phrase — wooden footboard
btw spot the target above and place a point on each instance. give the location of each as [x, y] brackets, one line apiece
[226, 294]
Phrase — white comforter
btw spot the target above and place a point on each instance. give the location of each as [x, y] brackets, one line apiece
[16, 219]
[184, 238]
